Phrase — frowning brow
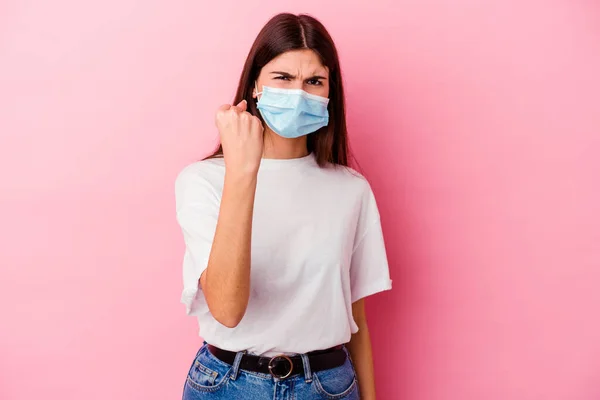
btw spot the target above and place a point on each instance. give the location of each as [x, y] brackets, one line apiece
[288, 75]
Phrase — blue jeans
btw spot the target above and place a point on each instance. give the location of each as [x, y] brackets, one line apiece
[211, 379]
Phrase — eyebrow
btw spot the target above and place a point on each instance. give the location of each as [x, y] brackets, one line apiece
[293, 77]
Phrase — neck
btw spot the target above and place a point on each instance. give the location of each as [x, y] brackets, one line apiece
[279, 147]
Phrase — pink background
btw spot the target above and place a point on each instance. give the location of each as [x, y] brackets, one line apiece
[476, 122]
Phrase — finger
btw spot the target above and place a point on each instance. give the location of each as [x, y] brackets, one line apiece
[224, 107]
[242, 105]
[256, 121]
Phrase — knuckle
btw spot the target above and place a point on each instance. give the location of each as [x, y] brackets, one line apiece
[223, 108]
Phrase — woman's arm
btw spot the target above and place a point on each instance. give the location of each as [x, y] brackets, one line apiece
[360, 351]
[226, 280]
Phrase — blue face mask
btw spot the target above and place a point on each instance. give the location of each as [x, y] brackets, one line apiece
[292, 113]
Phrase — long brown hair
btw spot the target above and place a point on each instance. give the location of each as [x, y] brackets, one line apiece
[285, 32]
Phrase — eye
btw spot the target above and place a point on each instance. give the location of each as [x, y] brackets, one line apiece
[283, 78]
[315, 82]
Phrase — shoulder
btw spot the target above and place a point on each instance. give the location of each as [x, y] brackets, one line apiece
[353, 184]
[206, 173]
[206, 169]
[348, 177]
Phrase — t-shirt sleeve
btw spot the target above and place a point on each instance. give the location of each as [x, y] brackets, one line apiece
[369, 270]
[197, 210]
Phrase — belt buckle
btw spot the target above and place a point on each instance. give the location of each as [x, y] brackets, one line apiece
[276, 359]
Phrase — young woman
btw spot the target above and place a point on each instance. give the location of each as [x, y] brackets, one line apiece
[283, 239]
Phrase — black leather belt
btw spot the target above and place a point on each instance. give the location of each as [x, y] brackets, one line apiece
[282, 366]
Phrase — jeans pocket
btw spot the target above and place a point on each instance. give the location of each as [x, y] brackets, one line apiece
[205, 375]
[336, 383]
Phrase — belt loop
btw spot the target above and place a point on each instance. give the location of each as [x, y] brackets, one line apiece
[236, 364]
[306, 365]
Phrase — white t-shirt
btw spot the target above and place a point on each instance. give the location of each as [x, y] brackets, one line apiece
[317, 247]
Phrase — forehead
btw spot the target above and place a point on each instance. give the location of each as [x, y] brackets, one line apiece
[305, 61]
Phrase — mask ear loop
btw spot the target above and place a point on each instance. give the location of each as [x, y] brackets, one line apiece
[257, 92]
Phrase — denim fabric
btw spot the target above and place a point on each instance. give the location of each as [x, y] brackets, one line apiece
[210, 378]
